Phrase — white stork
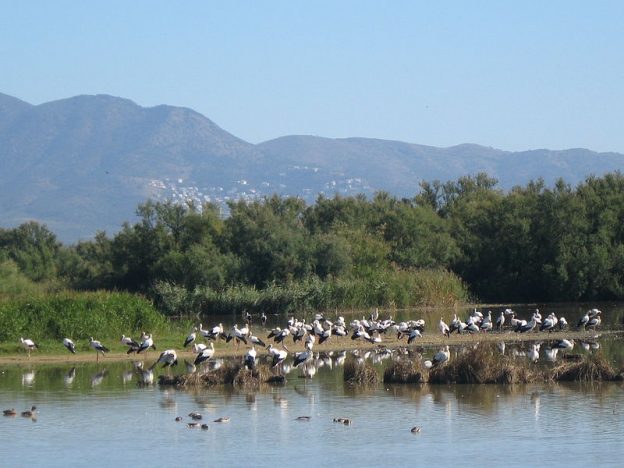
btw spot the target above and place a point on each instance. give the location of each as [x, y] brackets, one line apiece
[28, 345]
[69, 344]
[99, 348]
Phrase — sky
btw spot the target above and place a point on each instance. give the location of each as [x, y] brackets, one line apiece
[512, 75]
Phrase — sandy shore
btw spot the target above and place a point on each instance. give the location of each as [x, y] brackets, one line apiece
[333, 344]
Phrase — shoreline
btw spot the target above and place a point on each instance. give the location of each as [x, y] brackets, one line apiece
[334, 344]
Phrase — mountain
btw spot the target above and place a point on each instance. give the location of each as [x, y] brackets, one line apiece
[84, 163]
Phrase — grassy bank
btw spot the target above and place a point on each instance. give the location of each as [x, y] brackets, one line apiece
[77, 315]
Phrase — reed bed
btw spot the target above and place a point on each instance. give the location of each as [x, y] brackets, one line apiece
[386, 288]
[360, 372]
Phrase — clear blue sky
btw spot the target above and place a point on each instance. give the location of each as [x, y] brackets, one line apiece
[513, 75]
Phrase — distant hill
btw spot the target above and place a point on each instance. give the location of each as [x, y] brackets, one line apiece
[84, 163]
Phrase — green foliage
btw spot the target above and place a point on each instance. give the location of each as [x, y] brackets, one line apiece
[77, 315]
[398, 289]
[532, 243]
[14, 284]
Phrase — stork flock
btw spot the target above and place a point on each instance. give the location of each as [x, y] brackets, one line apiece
[322, 330]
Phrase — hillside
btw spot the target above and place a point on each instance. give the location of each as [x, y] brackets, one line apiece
[84, 163]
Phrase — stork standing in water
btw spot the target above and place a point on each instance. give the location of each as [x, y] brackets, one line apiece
[28, 345]
[278, 355]
[99, 348]
[168, 357]
[69, 345]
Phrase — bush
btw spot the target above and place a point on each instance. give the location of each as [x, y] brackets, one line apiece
[77, 315]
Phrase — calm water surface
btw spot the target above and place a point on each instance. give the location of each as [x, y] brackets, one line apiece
[100, 415]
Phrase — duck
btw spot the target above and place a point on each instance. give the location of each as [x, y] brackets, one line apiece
[415, 429]
[222, 420]
[30, 413]
[345, 421]
[9, 412]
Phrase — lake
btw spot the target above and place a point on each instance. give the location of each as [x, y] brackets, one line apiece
[102, 415]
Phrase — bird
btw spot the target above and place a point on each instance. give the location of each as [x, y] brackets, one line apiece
[250, 358]
[147, 343]
[99, 347]
[28, 345]
[594, 321]
[583, 320]
[9, 412]
[30, 413]
[69, 344]
[204, 354]
[500, 321]
[562, 323]
[190, 338]
[486, 323]
[222, 420]
[168, 357]
[415, 429]
[133, 346]
[415, 333]
[549, 323]
[303, 418]
[255, 340]
[441, 357]
[566, 345]
[444, 328]
[263, 318]
[279, 355]
[533, 353]
[302, 357]
[345, 421]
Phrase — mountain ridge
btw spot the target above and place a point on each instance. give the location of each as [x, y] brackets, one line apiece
[83, 163]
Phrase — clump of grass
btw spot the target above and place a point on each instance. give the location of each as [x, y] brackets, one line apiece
[405, 371]
[246, 378]
[591, 368]
[230, 373]
[483, 365]
[356, 372]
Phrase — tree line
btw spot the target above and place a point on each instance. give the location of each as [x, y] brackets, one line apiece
[530, 243]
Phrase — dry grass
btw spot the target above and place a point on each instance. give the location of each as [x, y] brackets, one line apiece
[361, 373]
[484, 365]
[591, 368]
[405, 370]
[230, 373]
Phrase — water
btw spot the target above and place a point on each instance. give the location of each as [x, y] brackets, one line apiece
[100, 415]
